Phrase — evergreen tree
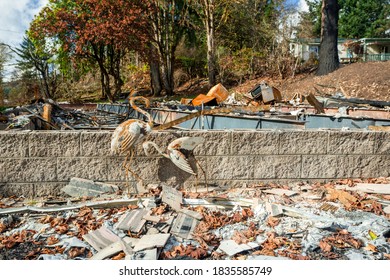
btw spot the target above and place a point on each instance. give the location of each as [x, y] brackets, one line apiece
[369, 18]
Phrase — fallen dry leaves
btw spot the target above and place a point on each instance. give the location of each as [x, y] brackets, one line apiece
[273, 221]
[340, 240]
[157, 211]
[189, 251]
[19, 237]
[75, 252]
[245, 236]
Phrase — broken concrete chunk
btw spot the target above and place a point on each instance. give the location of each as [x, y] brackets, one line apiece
[367, 188]
[386, 209]
[280, 192]
[153, 219]
[230, 247]
[132, 220]
[151, 241]
[101, 238]
[192, 214]
[172, 197]
[274, 209]
[184, 226]
[78, 187]
[113, 249]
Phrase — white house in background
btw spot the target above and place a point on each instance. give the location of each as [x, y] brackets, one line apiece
[365, 49]
[306, 48]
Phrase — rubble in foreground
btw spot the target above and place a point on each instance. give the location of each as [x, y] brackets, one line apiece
[346, 219]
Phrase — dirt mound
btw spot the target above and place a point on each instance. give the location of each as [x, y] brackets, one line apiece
[367, 80]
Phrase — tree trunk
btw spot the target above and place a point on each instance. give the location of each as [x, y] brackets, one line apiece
[104, 96]
[329, 57]
[211, 56]
[155, 78]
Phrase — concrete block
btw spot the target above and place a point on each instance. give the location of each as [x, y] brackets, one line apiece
[368, 166]
[382, 143]
[278, 167]
[146, 168]
[224, 168]
[168, 172]
[3, 170]
[303, 142]
[216, 142]
[325, 166]
[347, 142]
[13, 144]
[255, 142]
[10, 189]
[43, 189]
[31, 170]
[87, 168]
[95, 143]
[54, 144]
[162, 140]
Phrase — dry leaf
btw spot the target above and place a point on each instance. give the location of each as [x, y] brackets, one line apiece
[61, 229]
[247, 212]
[118, 257]
[84, 211]
[3, 227]
[239, 238]
[75, 252]
[45, 220]
[273, 221]
[325, 247]
[51, 240]
[371, 247]
[56, 221]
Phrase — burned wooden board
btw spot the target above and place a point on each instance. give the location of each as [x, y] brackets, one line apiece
[172, 197]
[184, 226]
[101, 238]
[133, 220]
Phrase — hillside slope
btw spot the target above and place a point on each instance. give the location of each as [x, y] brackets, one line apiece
[369, 80]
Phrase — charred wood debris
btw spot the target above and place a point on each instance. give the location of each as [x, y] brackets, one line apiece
[263, 100]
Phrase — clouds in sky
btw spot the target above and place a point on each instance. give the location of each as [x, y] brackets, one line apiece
[15, 18]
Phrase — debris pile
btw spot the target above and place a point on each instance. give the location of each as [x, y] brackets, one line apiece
[346, 219]
[48, 115]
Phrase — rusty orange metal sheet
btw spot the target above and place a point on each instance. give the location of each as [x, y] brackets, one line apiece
[203, 99]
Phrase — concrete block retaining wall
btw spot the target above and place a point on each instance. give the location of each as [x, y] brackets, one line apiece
[40, 163]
